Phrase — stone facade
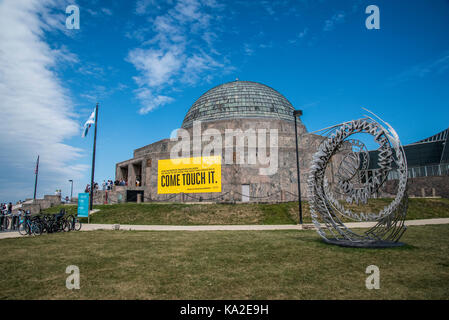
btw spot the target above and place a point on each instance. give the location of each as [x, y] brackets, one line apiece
[239, 105]
[35, 206]
[279, 187]
[423, 186]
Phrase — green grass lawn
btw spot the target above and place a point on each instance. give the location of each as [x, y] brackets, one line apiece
[210, 214]
[222, 265]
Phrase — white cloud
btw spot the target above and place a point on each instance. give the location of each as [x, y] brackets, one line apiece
[436, 66]
[102, 11]
[106, 11]
[197, 65]
[142, 6]
[299, 36]
[209, 37]
[35, 108]
[180, 52]
[248, 50]
[91, 12]
[91, 69]
[303, 33]
[150, 101]
[337, 18]
[157, 67]
[187, 11]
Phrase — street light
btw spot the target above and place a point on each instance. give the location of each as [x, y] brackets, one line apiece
[296, 114]
[71, 191]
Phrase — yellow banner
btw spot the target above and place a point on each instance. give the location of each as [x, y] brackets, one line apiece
[189, 175]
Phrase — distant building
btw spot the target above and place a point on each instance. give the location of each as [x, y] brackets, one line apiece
[425, 158]
[427, 166]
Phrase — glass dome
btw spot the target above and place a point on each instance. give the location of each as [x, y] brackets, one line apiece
[239, 99]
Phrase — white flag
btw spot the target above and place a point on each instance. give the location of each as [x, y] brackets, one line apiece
[88, 123]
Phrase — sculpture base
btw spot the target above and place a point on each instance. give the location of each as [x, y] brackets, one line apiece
[365, 244]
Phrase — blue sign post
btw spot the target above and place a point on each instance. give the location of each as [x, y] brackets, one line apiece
[83, 205]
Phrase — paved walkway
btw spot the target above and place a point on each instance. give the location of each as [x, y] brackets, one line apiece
[352, 225]
[9, 234]
[90, 227]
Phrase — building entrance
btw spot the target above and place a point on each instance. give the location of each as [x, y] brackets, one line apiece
[131, 195]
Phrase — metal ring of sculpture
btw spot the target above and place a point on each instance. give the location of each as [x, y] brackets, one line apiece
[356, 186]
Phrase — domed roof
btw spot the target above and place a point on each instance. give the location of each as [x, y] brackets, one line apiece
[239, 99]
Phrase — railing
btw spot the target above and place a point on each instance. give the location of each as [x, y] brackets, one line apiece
[425, 171]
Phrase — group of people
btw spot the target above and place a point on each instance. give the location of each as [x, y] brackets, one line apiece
[6, 208]
[6, 211]
[87, 190]
[107, 185]
[121, 182]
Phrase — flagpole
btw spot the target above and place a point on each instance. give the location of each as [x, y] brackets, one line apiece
[93, 166]
[36, 172]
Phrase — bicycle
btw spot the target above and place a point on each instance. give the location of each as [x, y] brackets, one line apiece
[15, 221]
[53, 223]
[4, 220]
[74, 223]
[56, 222]
[29, 226]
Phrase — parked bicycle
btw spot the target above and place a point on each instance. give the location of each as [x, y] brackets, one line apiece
[29, 225]
[60, 222]
[4, 220]
[74, 223]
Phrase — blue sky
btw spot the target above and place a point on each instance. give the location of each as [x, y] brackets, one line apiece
[147, 61]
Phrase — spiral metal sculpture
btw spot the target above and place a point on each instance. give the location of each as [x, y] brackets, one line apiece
[351, 182]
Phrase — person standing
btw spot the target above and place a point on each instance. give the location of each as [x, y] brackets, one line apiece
[2, 218]
[15, 221]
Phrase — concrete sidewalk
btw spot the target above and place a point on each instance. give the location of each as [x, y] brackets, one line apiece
[9, 234]
[307, 226]
[352, 225]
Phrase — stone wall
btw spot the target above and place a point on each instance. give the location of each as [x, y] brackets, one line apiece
[54, 199]
[117, 195]
[423, 186]
[37, 205]
[34, 208]
[279, 187]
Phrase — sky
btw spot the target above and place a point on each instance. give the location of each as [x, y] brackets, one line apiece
[146, 62]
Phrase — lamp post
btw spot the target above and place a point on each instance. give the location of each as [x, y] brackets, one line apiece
[36, 172]
[296, 114]
[71, 190]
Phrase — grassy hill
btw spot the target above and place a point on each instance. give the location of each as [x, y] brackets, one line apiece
[222, 214]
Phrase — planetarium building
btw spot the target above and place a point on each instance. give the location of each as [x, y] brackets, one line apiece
[258, 148]
[250, 130]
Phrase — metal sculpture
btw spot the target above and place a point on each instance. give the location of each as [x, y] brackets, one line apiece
[351, 181]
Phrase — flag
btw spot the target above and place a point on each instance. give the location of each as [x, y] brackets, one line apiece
[88, 124]
[37, 166]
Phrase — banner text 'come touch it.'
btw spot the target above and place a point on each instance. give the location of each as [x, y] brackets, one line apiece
[189, 175]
